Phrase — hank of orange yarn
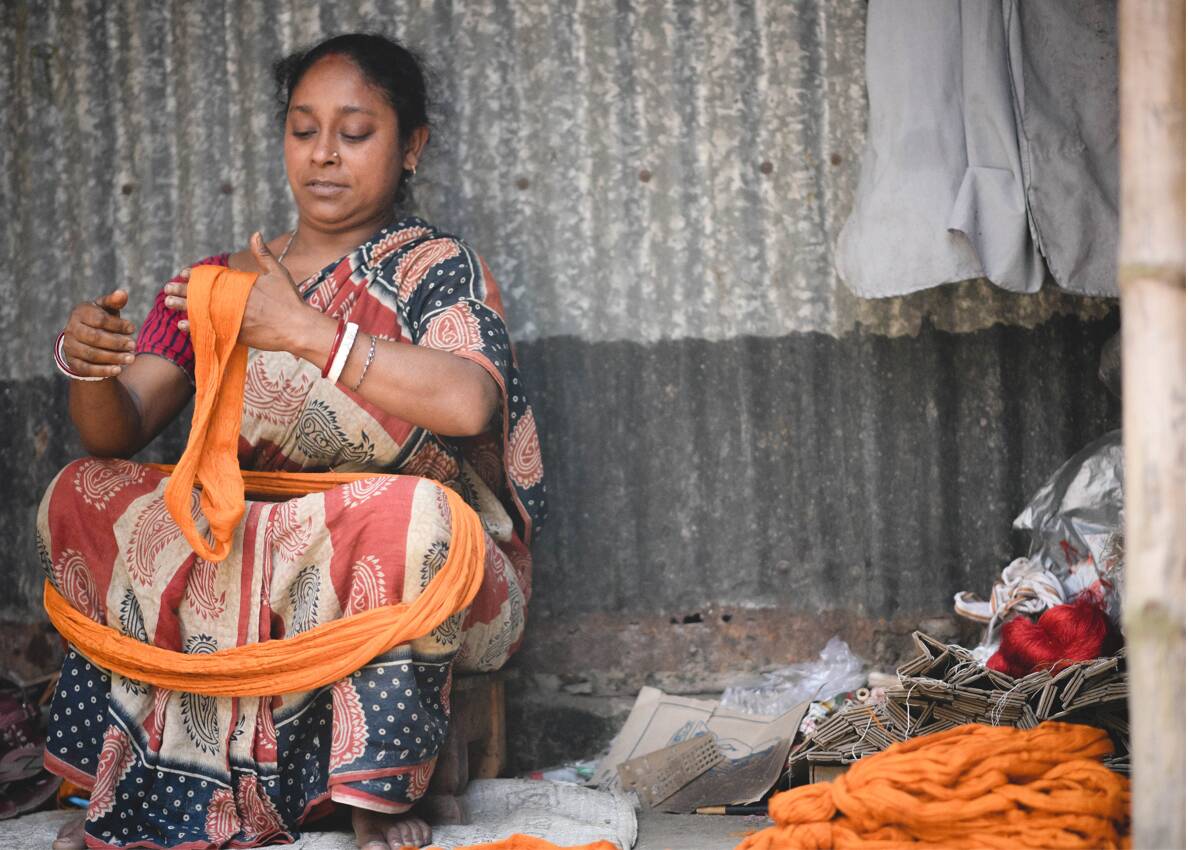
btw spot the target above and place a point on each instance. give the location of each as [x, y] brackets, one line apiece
[317, 656]
[216, 299]
[528, 842]
[969, 788]
[311, 659]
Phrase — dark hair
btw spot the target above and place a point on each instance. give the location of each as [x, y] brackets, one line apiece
[384, 62]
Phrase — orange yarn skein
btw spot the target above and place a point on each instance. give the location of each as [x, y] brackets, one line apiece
[216, 299]
[306, 661]
[968, 788]
[318, 656]
[528, 842]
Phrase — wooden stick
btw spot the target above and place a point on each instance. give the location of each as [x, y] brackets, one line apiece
[760, 809]
[1151, 278]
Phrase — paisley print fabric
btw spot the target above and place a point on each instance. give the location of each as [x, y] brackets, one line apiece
[173, 770]
[410, 283]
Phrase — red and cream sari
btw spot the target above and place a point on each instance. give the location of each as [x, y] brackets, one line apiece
[182, 770]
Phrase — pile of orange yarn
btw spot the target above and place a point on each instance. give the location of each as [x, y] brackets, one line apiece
[527, 842]
[971, 787]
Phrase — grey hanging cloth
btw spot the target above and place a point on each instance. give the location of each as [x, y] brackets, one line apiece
[991, 147]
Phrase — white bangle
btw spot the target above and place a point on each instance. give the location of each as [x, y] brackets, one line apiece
[64, 367]
[343, 353]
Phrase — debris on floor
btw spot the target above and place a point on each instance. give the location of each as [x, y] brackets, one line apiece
[25, 785]
[944, 686]
[1076, 528]
[836, 670]
[748, 752]
[575, 772]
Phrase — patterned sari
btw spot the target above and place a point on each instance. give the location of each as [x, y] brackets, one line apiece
[181, 770]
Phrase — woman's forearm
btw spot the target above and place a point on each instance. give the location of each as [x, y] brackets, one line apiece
[435, 390]
[106, 417]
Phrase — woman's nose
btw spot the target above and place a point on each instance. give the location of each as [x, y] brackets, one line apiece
[323, 152]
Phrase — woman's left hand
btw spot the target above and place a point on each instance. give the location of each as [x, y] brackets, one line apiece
[272, 306]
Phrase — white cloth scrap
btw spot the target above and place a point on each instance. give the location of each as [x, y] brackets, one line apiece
[1025, 587]
[567, 815]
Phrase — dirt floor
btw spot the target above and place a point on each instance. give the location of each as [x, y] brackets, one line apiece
[656, 832]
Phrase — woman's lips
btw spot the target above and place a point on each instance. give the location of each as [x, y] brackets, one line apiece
[324, 188]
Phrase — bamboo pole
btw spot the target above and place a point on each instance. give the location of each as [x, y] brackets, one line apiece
[1151, 278]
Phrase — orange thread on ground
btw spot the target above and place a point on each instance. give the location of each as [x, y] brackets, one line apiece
[319, 656]
[527, 842]
[970, 787]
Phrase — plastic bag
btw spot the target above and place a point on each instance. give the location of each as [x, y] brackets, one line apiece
[571, 773]
[836, 671]
[1075, 521]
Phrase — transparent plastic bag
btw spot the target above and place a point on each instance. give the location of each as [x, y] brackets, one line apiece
[837, 670]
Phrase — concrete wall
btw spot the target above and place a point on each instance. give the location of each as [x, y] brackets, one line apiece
[744, 458]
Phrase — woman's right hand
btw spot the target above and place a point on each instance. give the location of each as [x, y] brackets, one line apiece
[98, 342]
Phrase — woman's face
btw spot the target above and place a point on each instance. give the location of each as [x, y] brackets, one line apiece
[342, 147]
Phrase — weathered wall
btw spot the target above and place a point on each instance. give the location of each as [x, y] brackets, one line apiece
[745, 458]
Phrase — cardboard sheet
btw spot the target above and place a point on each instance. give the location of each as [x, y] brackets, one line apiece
[754, 746]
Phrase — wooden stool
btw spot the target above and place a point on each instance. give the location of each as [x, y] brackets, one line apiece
[476, 746]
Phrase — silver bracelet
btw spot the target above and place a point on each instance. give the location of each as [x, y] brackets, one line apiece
[366, 364]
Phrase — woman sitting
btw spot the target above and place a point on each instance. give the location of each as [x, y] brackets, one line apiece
[376, 344]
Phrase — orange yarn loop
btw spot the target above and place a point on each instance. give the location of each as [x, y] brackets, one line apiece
[968, 788]
[528, 842]
[314, 658]
[216, 299]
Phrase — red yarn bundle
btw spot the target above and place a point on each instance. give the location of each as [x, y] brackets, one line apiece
[1063, 635]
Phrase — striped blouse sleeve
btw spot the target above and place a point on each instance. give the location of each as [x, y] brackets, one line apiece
[160, 334]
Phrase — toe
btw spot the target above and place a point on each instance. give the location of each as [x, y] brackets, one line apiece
[72, 828]
[71, 836]
[371, 840]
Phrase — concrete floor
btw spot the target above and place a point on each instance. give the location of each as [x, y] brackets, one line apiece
[656, 832]
[694, 832]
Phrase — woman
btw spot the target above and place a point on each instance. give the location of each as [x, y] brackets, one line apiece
[427, 386]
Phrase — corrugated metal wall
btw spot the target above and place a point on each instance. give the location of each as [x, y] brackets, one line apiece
[657, 186]
[635, 170]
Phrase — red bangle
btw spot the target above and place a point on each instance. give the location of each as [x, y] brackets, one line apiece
[334, 347]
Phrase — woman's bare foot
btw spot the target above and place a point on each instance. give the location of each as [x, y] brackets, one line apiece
[378, 831]
[71, 836]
